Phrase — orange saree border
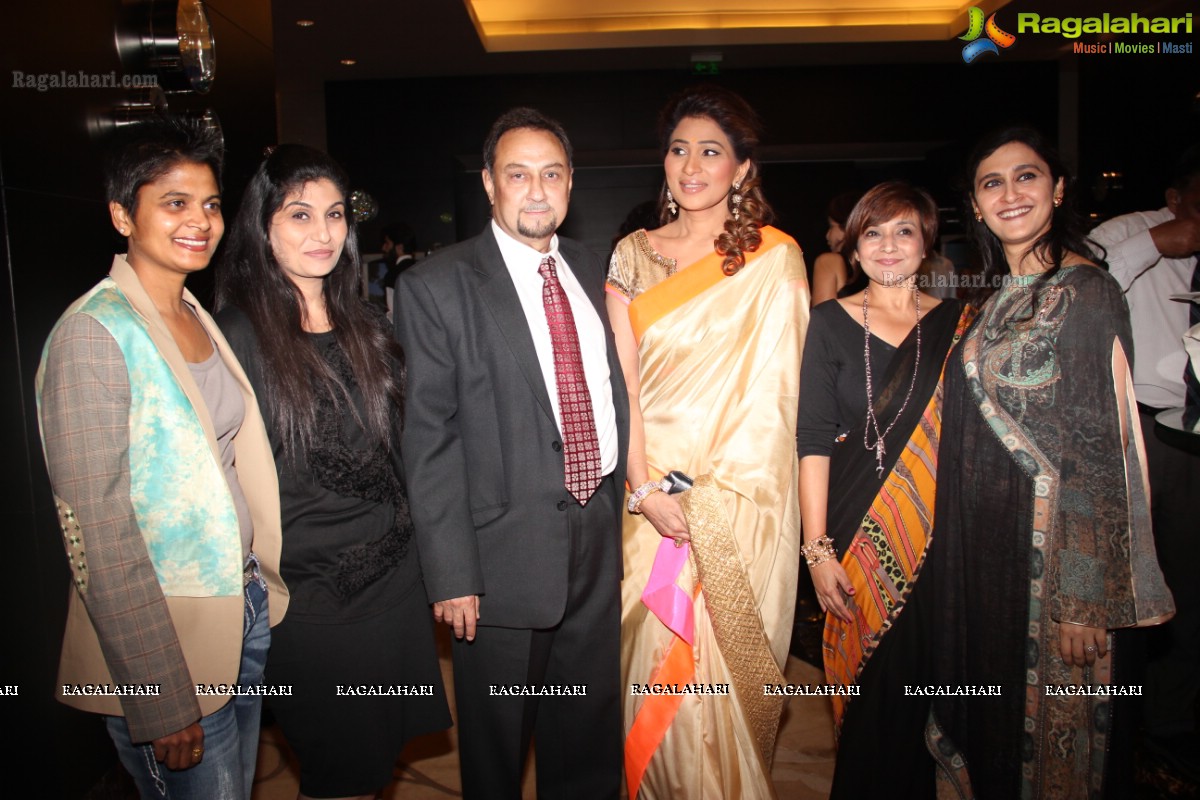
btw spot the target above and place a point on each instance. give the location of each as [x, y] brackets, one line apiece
[656, 302]
[657, 713]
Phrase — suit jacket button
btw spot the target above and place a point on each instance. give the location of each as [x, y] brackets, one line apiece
[562, 504]
[556, 446]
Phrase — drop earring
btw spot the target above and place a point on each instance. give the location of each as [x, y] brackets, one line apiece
[736, 200]
[672, 206]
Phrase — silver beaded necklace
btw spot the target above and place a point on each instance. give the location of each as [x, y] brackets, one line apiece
[872, 421]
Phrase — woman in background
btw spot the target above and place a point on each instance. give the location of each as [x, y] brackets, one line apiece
[709, 313]
[1042, 541]
[329, 380]
[164, 483]
[869, 425]
[831, 274]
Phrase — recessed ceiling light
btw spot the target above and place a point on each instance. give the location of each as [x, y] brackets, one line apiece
[305, 23]
[349, 62]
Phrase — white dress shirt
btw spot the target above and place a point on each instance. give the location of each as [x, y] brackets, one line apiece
[522, 262]
[1149, 280]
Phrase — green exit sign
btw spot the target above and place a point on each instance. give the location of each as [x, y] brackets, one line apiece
[706, 67]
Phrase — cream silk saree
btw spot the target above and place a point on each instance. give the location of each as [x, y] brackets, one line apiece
[720, 365]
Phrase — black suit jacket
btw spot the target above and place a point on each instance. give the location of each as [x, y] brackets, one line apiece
[482, 451]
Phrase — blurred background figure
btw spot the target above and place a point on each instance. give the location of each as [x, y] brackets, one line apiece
[399, 253]
[1153, 256]
[830, 271]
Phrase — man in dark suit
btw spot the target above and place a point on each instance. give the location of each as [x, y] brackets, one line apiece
[514, 444]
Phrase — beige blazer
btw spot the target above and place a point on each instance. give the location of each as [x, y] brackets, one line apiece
[198, 639]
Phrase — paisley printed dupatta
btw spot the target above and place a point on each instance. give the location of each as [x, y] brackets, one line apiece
[720, 363]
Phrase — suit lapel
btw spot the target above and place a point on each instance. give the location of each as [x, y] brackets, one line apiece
[500, 297]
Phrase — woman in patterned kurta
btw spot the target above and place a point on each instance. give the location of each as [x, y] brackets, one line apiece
[1042, 513]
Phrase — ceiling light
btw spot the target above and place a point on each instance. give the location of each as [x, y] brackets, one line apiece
[349, 62]
[524, 25]
[305, 23]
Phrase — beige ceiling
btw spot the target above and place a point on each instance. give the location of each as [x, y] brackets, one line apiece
[525, 25]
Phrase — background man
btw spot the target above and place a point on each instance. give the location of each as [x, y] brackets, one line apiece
[399, 249]
[1153, 256]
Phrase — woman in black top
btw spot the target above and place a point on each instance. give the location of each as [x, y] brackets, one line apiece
[868, 437]
[357, 648]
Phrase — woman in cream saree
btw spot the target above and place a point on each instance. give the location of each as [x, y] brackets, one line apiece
[712, 359]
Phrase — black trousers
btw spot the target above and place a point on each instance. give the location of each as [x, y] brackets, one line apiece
[1173, 671]
[578, 737]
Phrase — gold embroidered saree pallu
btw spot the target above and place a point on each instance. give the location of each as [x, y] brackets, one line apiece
[720, 360]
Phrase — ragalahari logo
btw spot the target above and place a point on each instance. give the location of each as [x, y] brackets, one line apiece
[976, 27]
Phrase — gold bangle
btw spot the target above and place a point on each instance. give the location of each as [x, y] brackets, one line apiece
[818, 551]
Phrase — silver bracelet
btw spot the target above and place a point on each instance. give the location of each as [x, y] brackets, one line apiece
[641, 493]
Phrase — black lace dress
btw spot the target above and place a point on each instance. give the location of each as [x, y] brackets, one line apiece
[356, 646]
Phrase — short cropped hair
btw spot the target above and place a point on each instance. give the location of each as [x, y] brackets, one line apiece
[886, 202]
[517, 118]
[142, 153]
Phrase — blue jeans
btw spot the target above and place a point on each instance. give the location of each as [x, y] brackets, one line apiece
[230, 734]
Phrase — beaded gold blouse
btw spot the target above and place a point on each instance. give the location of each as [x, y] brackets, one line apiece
[636, 266]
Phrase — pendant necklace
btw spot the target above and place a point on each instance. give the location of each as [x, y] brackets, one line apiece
[872, 421]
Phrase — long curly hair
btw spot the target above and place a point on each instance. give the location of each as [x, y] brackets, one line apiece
[1066, 234]
[741, 126]
[250, 278]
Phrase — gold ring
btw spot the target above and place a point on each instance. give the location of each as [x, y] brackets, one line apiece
[1091, 648]
[197, 752]
[678, 541]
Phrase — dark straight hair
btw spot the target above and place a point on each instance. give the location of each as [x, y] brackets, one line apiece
[250, 278]
[1066, 233]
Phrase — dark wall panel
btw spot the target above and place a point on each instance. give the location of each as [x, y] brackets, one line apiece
[414, 144]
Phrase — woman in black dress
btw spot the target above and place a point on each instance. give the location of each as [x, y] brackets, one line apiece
[868, 436]
[357, 646]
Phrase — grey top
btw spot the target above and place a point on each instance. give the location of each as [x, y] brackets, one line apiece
[227, 410]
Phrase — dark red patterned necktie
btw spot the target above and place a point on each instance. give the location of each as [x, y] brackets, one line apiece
[581, 449]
